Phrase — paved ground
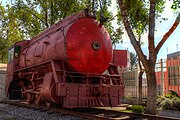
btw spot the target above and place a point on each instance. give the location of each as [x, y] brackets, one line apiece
[10, 112]
[118, 108]
[7, 116]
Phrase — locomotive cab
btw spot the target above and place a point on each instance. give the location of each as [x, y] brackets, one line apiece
[12, 88]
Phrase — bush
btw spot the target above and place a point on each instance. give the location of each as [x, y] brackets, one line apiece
[176, 103]
[170, 102]
[159, 100]
[138, 108]
[169, 95]
[166, 104]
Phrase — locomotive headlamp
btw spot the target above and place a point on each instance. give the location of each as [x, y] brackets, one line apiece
[96, 45]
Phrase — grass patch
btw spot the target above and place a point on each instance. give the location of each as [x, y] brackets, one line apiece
[128, 111]
[137, 108]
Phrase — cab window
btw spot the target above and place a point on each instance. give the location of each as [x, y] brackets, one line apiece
[10, 54]
[17, 51]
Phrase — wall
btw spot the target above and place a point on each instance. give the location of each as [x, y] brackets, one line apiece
[2, 81]
[173, 75]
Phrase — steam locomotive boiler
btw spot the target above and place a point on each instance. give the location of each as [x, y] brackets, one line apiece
[64, 64]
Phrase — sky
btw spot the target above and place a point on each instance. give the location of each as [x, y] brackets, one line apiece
[170, 46]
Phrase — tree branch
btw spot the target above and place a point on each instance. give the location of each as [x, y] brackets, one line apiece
[166, 36]
[34, 15]
[130, 33]
[109, 20]
[152, 52]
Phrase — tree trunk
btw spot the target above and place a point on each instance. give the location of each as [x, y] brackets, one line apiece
[152, 91]
[140, 84]
[140, 76]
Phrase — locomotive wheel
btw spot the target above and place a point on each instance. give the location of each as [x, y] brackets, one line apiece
[14, 91]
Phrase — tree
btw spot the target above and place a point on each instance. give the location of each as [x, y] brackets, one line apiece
[33, 20]
[138, 17]
[37, 15]
[24, 19]
[148, 62]
[9, 32]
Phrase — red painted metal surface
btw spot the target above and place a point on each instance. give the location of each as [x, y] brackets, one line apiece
[85, 95]
[121, 58]
[84, 43]
[88, 46]
[48, 91]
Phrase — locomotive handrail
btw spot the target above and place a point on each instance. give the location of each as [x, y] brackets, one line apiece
[39, 78]
[89, 74]
[33, 66]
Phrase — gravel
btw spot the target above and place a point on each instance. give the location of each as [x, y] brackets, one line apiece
[10, 112]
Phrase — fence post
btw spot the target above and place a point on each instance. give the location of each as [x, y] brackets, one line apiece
[162, 77]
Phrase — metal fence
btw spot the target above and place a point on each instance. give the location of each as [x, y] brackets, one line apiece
[131, 81]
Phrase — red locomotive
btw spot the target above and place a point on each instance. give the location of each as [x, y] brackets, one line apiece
[64, 64]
